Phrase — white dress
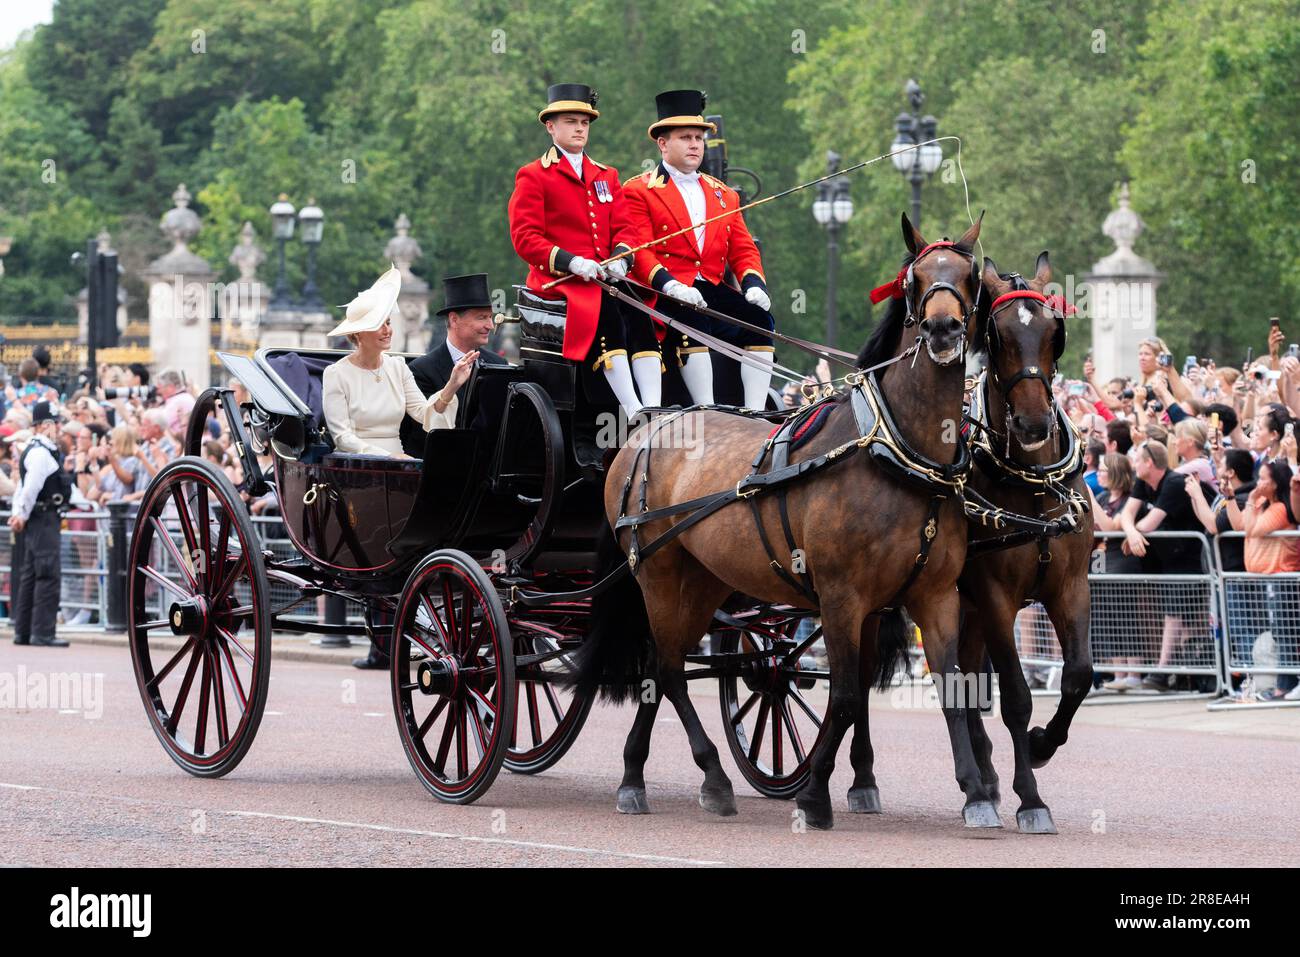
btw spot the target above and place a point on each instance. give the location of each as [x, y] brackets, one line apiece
[364, 408]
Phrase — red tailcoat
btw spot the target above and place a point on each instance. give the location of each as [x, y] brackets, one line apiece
[656, 208]
[554, 216]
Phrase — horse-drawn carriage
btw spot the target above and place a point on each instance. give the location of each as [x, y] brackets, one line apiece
[473, 563]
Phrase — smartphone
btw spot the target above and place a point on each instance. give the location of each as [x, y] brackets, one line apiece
[1166, 359]
[1188, 363]
[1214, 422]
[1250, 354]
[1274, 323]
[1293, 350]
[1289, 429]
[1077, 388]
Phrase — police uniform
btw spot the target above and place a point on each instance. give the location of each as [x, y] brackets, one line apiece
[565, 206]
[665, 201]
[41, 497]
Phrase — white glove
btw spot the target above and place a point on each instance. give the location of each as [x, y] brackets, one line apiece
[586, 268]
[684, 293]
[759, 298]
[618, 268]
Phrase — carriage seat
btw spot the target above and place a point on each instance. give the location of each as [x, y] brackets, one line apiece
[541, 323]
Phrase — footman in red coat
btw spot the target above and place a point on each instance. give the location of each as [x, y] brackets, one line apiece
[567, 215]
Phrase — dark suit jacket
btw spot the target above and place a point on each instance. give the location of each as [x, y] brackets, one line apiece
[431, 372]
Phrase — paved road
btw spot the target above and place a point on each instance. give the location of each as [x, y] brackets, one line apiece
[327, 782]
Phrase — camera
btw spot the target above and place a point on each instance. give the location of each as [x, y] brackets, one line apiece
[1293, 351]
[1166, 359]
[1155, 406]
[146, 392]
[1126, 394]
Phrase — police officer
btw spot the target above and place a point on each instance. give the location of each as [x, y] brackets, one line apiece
[692, 268]
[42, 495]
[567, 215]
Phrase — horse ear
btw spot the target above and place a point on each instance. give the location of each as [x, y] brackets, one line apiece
[914, 241]
[992, 281]
[967, 241]
[1043, 270]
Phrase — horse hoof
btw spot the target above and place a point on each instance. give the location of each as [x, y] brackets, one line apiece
[1035, 820]
[719, 801]
[864, 800]
[818, 816]
[632, 801]
[1040, 749]
[981, 814]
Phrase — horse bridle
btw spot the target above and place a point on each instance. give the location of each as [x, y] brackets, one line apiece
[916, 309]
[1030, 371]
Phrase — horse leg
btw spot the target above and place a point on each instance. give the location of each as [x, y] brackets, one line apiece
[1033, 816]
[631, 791]
[971, 649]
[864, 796]
[1069, 611]
[839, 629]
[716, 794]
[937, 617]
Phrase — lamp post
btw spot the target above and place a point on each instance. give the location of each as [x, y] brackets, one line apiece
[918, 162]
[282, 229]
[832, 209]
[313, 227]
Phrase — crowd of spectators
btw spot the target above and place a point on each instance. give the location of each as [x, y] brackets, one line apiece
[1193, 447]
[115, 436]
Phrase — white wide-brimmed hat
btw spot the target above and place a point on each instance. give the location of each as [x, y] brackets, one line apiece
[367, 312]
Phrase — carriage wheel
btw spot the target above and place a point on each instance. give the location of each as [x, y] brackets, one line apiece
[548, 716]
[770, 723]
[196, 574]
[453, 676]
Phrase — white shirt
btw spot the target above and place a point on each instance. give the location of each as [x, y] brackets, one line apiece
[364, 408]
[40, 464]
[575, 159]
[456, 354]
[692, 193]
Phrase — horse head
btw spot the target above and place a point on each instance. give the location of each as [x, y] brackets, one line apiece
[1024, 336]
[941, 290]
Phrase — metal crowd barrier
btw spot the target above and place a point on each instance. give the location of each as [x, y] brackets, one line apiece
[1133, 616]
[1255, 608]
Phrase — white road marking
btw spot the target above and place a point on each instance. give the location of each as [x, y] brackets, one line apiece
[360, 825]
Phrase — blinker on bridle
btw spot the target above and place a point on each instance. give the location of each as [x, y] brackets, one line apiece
[917, 309]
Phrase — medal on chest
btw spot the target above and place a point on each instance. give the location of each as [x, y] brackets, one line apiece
[602, 192]
[721, 202]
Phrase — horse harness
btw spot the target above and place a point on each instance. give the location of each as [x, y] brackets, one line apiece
[877, 433]
[1043, 480]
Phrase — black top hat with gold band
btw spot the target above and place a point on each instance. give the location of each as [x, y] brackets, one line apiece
[680, 108]
[569, 98]
[465, 292]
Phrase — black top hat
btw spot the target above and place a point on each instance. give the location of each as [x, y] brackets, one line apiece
[465, 292]
[569, 98]
[43, 412]
[680, 108]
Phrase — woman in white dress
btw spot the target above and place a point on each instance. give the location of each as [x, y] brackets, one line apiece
[368, 393]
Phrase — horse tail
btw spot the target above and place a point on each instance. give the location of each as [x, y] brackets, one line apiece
[619, 650]
[891, 648]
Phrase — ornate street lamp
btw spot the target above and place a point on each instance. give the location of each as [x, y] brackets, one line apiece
[282, 219]
[832, 209]
[916, 163]
[313, 227]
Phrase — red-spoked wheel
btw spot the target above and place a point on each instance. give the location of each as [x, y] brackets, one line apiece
[771, 714]
[198, 617]
[453, 676]
[548, 716]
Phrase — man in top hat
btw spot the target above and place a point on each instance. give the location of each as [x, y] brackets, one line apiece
[468, 307]
[43, 492]
[567, 215]
[691, 268]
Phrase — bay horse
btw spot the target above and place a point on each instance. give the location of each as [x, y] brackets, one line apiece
[1028, 461]
[860, 539]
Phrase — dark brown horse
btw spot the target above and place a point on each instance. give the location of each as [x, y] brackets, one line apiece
[866, 540]
[1027, 463]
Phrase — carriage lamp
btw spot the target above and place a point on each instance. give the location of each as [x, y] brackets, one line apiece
[919, 161]
[832, 209]
[282, 229]
[313, 228]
